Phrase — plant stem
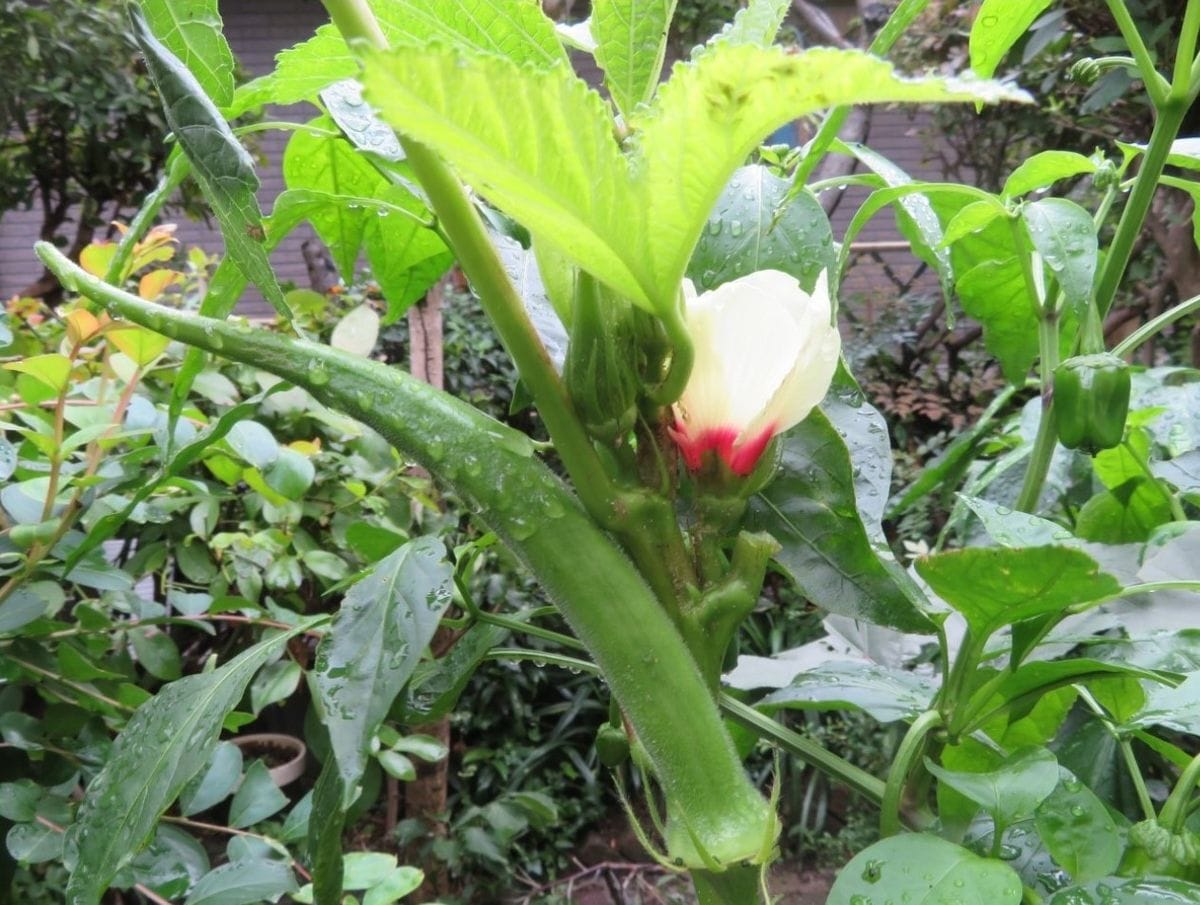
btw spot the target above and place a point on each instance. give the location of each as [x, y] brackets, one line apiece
[858, 779]
[907, 755]
[1156, 84]
[1166, 128]
[736, 886]
[1185, 51]
[1174, 812]
[178, 169]
[1157, 325]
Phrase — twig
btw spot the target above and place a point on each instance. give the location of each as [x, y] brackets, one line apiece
[233, 831]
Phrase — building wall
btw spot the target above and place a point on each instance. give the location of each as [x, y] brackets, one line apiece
[258, 29]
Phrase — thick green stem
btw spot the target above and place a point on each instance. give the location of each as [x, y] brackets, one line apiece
[178, 169]
[468, 237]
[907, 755]
[1047, 436]
[1176, 808]
[1166, 128]
[1185, 52]
[737, 886]
[494, 469]
[1157, 325]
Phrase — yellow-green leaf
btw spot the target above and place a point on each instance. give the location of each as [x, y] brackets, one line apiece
[53, 370]
[138, 343]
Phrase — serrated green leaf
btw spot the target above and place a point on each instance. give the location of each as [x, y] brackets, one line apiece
[631, 41]
[221, 165]
[755, 23]
[191, 30]
[513, 29]
[166, 742]
[998, 26]
[747, 232]
[993, 587]
[922, 869]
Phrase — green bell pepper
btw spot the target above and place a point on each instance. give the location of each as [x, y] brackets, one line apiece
[1091, 401]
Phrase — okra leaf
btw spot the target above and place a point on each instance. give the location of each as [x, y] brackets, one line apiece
[631, 41]
[191, 30]
[221, 165]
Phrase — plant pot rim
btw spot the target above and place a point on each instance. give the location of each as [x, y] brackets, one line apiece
[290, 770]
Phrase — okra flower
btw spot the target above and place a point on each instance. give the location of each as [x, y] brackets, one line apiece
[765, 353]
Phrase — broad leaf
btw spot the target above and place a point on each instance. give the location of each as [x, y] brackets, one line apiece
[1079, 832]
[812, 510]
[631, 41]
[513, 29]
[377, 639]
[222, 166]
[1126, 514]
[243, 883]
[1120, 891]
[1012, 528]
[1012, 791]
[994, 587]
[406, 256]
[191, 30]
[886, 695]
[257, 798]
[1044, 169]
[320, 163]
[744, 235]
[166, 742]
[712, 113]
[1175, 708]
[921, 869]
[998, 26]
[436, 685]
[581, 199]
[214, 784]
[1064, 234]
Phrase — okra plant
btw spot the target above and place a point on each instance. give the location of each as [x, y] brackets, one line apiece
[705, 430]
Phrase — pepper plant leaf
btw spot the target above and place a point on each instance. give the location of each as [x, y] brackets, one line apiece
[191, 30]
[221, 165]
[631, 41]
[923, 869]
[1064, 234]
[999, 24]
[993, 587]
[1013, 790]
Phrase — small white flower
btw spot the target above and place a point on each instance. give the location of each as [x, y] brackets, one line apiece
[765, 353]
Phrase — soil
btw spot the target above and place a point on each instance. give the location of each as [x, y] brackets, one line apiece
[789, 886]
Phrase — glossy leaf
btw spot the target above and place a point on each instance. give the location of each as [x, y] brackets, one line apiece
[437, 684]
[1079, 832]
[257, 798]
[375, 643]
[921, 869]
[221, 165]
[166, 742]
[994, 587]
[631, 41]
[1044, 169]
[357, 331]
[998, 26]
[52, 369]
[191, 30]
[1012, 791]
[156, 652]
[396, 885]
[214, 784]
[886, 695]
[406, 257]
[1064, 234]
[1121, 891]
[744, 235]
[1175, 708]
[243, 883]
[1012, 528]
[812, 510]
[275, 682]
[1126, 514]
[359, 122]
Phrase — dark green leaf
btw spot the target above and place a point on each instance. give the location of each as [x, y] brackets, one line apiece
[157, 653]
[1079, 832]
[376, 641]
[1126, 514]
[274, 682]
[222, 166]
[165, 743]
[257, 798]
[919, 869]
[1120, 891]
[34, 843]
[1012, 528]
[995, 587]
[437, 684]
[243, 883]
[191, 30]
[743, 235]
[1012, 791]
[812, 509]
[214, 784]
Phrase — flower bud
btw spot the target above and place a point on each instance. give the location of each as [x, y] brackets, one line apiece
[601, 370]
